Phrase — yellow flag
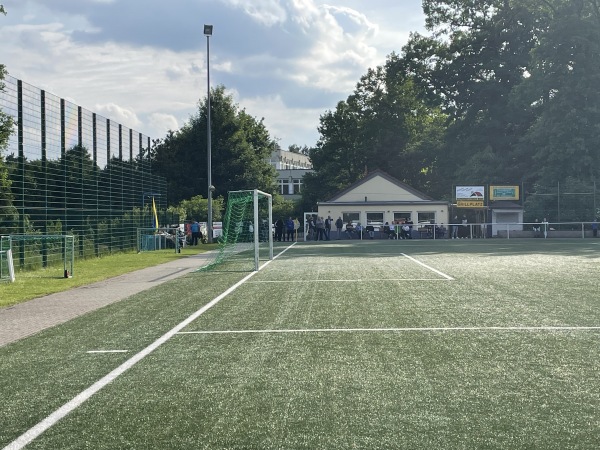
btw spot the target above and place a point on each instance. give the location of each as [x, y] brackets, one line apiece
[155, 214]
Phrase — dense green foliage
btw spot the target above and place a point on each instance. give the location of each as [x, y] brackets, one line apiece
[240, 149]
[500, 91]
[384, 124]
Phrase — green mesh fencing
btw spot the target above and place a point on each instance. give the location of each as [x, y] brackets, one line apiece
[246, 238]
[75, 172]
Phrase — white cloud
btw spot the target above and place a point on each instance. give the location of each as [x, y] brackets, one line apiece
[286, 124]
[266, 12]
[338, 56]
[310, 56]
[162, 123]
[122, 115]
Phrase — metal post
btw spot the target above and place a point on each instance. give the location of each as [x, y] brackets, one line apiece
[209, 227]
[256, 229]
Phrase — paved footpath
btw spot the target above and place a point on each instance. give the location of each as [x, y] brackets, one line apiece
[28, 318]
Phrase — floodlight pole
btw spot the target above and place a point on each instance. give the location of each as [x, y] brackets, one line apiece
[209, 225]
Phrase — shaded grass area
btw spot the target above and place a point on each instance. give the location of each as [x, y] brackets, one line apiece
[32, 284]
[346, 389]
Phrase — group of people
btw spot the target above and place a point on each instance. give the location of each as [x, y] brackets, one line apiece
[319, 229]
[541, 229]
[286, 230]
[399, 229]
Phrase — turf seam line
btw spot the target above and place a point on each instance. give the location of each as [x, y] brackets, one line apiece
[79, 399]
[448, 277]
[346, 330]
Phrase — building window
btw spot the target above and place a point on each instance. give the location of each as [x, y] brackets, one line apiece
[297, 186]
[402, 216]
[353, 217]
[283, 187]
[426, 217]
[375, 218]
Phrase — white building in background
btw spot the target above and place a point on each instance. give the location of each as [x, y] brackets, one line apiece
[291, 168]
[379, 198]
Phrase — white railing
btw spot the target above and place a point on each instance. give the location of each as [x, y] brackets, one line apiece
[512, 230]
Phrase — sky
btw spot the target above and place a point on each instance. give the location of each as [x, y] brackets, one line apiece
[143, 63]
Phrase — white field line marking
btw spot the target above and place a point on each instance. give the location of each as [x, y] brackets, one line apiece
[448, 277]
[107, 351]
[71, 405]
[349, 281]
[395, 330]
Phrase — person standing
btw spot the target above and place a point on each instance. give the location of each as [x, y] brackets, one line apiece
[320, 226]
[310, 225]
[339, 224]
[296, 228]
[289, 228]
[595, 227]
[279, 229]
[454, 228]
[464, 230]
[328, 228]
[195, 229]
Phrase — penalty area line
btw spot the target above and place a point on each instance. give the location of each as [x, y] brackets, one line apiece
[448, 277]
[394, 330]
[349, 281]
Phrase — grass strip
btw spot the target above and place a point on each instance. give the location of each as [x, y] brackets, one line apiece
[33, 284]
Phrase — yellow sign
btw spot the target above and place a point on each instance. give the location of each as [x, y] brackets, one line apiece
[504, 192]
[469, 203]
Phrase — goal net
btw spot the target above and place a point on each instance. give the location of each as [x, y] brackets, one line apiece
[246, 238]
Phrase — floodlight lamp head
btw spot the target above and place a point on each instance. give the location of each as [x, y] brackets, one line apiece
[208, 30]
[212, 188]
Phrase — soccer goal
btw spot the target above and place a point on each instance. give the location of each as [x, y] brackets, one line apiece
[55, 254]
[7, 268]
[247, 238]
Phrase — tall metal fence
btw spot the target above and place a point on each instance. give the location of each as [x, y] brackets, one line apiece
[75, 172]
[571, 200]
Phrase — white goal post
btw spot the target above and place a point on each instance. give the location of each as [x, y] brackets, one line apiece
[7, 267]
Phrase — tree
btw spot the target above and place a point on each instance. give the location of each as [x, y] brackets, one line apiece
[240, 150]
[196, 208]
[385, 124]
[562, 92]
[477, 54]
[518, 79]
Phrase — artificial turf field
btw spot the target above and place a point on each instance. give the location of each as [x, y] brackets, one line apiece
[332, 345]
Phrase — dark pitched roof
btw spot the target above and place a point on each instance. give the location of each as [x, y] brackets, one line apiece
[380, 173]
